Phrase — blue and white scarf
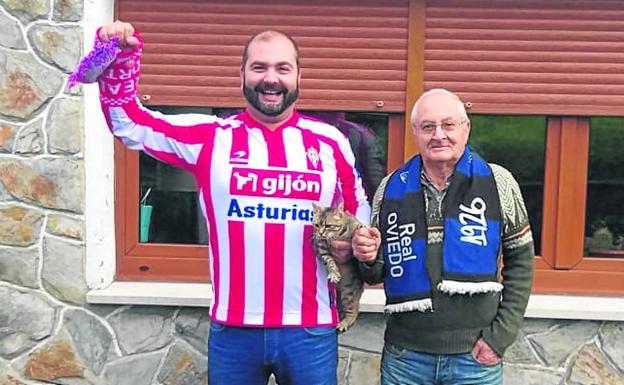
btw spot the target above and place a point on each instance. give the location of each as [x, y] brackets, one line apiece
[472, 234]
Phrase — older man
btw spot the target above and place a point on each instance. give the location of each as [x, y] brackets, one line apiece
[258, 174]
[455, 255]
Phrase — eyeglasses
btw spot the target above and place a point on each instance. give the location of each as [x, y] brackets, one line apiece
[448, 126]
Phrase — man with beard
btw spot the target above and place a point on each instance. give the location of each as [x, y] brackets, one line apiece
[258, 174]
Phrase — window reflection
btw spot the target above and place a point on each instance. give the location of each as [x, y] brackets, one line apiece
[368, 137]
[517, 143]
[176, 215]
[604, 221]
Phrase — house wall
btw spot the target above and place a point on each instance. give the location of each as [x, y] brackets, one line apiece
[50, 334]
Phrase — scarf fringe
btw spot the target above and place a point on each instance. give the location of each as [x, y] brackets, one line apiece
[421, 305]
[470, 288]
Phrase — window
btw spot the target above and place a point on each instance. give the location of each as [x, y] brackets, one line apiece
[569, 190]
[161, 231]
[563, 266]
[517, 143]
[169, 211]
[604, 217]
[572, 179]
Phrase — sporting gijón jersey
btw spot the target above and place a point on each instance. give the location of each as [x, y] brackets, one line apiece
[256, 188]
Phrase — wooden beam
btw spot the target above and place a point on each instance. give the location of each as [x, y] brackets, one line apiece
[415, 69]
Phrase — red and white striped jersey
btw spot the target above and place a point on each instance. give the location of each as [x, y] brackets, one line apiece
[256, 187]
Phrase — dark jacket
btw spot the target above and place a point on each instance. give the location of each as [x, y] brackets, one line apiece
[369, 157]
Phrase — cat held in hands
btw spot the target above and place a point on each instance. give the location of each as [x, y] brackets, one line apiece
[334, 223]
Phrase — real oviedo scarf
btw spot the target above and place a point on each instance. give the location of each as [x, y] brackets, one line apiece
[472, 234]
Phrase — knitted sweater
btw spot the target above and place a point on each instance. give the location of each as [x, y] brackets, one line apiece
[456, 322]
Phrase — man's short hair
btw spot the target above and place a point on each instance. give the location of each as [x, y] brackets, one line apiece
[266, 36]
[460, 105]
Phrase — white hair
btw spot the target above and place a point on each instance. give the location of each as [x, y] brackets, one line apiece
[460, 105]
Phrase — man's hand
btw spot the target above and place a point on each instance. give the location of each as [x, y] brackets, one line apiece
[125, 32]
[484, 354]
[365, 243]
[340, 250]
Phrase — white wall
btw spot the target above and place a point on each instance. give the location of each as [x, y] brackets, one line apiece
[99, 171]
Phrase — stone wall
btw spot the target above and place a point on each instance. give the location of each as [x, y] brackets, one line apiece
[547, 352]
[49, 334]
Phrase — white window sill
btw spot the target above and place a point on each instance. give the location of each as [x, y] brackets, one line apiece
[153, 293]
[200, 294]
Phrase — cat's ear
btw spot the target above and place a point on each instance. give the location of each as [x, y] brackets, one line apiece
[315, 208]
[340, 206]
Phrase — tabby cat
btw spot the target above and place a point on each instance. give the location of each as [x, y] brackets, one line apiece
[337, 224]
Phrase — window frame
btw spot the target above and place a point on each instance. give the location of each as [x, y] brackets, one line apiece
[148, 261]
[563, 266]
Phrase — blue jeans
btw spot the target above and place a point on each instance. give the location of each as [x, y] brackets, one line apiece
[405, 367]
[296, 356]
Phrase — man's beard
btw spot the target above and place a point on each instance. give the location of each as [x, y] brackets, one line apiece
[270, 109]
